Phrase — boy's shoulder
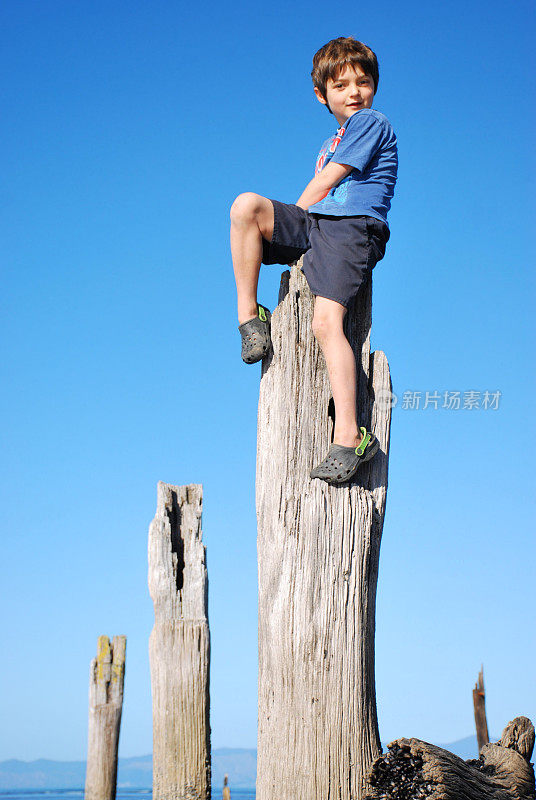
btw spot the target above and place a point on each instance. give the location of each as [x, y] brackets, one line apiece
[365, 114]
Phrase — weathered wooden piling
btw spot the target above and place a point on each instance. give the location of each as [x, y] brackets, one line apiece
[479, 704]
[226, 794]
[415, 770]
[318, 552]
[106, 681]
[179, 646]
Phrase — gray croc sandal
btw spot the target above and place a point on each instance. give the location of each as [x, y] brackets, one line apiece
[341, 462]
[256, 341]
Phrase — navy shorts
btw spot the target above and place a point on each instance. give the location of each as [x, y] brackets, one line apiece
[339, 252]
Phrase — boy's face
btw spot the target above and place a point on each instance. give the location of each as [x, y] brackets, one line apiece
[351, 90]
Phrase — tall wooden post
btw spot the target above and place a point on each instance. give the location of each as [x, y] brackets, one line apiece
[479, 703]
[318, 553]
[179, 646]
[106, 680]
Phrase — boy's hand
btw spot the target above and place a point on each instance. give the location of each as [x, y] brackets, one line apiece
[319, 186]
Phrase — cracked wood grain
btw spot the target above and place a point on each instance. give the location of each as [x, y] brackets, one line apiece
[318, 551]
[179, 646]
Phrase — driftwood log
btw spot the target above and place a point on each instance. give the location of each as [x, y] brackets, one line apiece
[479, 704]
[318, 552]
[415, 770]
[106, 681]
[179, 646]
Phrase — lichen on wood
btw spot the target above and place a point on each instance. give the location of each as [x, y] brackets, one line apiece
[106, 682]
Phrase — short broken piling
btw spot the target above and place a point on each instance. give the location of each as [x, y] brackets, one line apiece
[479, 703]
[106, 680]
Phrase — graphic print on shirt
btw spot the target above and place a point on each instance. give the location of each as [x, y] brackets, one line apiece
[340, 192]
[337, 193]
[327, 150]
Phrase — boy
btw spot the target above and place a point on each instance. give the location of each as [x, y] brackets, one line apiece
[339, 224]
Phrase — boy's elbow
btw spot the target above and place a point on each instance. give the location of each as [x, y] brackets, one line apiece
[325, 183]
[333, 174]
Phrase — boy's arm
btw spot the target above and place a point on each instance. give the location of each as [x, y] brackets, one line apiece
[319, 186]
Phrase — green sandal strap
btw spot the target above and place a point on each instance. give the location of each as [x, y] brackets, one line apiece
[364, 442]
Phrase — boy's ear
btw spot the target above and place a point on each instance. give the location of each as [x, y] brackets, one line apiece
[320, 96]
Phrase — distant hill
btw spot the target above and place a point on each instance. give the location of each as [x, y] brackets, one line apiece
[239, 763]
[465, 748]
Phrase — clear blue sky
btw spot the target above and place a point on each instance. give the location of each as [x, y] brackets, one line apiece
[128, 129]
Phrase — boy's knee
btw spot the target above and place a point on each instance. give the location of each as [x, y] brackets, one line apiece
[325, 325]
[245, 207]
[328, 318]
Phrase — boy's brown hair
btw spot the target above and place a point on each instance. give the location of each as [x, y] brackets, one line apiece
[331, 59]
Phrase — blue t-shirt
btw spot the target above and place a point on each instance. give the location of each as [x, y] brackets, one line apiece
[368, 144]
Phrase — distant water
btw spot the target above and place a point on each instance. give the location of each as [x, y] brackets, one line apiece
[122, 794]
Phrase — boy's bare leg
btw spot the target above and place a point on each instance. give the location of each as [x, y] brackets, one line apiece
[252, 218]
[340, 361]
